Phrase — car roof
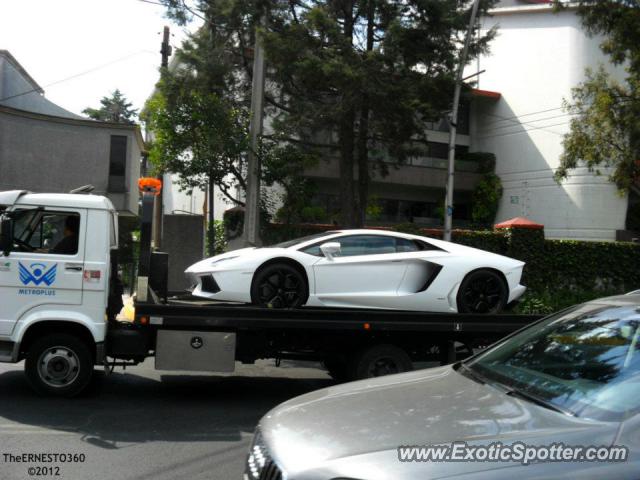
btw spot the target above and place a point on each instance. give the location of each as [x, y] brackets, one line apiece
[372, 231]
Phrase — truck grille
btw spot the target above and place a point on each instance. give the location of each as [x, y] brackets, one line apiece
[260, 465]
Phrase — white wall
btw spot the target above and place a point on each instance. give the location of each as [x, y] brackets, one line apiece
[534, 62]
[178, 202]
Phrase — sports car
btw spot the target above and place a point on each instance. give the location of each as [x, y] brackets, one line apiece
[362, 269]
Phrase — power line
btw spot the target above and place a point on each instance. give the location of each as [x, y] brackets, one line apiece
[526, 114]
[543, 127]
[516, 123]
[99, 67]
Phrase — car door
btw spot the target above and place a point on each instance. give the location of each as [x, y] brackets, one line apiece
[36, 273]
[368, 269]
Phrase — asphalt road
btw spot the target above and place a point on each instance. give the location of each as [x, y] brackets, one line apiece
[146, 425]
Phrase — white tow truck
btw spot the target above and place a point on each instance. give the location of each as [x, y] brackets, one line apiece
[59, 296]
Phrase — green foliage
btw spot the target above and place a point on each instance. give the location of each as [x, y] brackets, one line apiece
[113, 109]
[410, 228]
[549, 301]
[216, 229]
[488, 192]
[198, 135]
[486, 199]
[486, 161]
[605, 133]
[493, 241]
[374, 209]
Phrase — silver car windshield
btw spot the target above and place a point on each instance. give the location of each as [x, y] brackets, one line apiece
[585, 361]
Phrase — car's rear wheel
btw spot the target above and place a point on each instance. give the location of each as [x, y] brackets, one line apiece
[279, 286]
[482, 291]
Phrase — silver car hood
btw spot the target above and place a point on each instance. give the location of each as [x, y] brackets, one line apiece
[357, 427]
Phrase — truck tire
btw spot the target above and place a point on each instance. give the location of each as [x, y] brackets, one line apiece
[379, 360]
[59, 365]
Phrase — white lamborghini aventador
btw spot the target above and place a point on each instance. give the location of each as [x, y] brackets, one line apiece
[362, 269]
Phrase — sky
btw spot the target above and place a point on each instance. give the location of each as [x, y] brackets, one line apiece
[117, 41]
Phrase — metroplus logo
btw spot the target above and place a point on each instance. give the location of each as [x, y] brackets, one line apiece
[37, 274]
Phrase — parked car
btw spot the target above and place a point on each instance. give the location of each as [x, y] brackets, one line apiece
[571, 378]
[362, 269]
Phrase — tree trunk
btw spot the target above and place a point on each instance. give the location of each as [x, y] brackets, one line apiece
[347, 193]
[363, 132]
[211, 228]
[347, 140]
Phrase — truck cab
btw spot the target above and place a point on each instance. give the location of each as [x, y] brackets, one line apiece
[55, 272]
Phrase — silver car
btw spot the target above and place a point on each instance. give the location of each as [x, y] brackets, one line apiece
[570, 380]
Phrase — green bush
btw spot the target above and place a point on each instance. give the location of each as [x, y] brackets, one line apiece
[220, 242]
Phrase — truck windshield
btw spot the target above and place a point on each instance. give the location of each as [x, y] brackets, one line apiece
[585, 361]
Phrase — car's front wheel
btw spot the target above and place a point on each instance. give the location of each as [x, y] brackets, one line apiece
[279, 286]
[482, 291]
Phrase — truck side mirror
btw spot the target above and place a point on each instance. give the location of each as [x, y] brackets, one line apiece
[330, 249]
[6, 235]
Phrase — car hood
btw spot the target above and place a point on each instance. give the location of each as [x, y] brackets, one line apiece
[364, 422]
[244, 255]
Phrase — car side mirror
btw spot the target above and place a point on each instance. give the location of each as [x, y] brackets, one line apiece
[6, 235]
[330, 249]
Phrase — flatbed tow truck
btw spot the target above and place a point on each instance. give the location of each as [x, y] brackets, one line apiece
[57, 310]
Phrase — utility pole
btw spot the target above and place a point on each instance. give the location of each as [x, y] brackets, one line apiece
[251, 232]
[453, 126]
[165, 51]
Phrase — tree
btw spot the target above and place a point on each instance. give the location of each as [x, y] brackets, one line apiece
[348, 76]
[199, 116]
[198, 135]
[115, 109]
[368, 72]
[605, 131]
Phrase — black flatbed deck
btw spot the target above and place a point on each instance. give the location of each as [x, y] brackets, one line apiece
[192, 313]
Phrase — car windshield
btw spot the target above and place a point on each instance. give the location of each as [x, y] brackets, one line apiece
[584, 361]
[298, 241]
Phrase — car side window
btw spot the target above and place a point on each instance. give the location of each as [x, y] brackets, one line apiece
[366, 245]
[404, 245]
[47, 232]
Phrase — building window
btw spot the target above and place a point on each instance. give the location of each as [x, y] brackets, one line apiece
[117, 163]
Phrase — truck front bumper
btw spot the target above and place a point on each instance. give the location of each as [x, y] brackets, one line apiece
[9, 351]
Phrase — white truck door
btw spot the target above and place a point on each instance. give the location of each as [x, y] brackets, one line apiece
[46, 264]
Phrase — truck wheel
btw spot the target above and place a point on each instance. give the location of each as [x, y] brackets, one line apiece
[379, 360]
[60, 365]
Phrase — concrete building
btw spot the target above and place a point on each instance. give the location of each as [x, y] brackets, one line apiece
[535, 61]
[44, 148]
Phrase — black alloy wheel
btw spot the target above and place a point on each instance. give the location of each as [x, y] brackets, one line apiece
[279, 286]
[483, 291]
